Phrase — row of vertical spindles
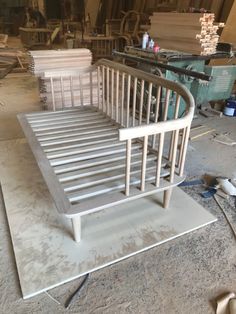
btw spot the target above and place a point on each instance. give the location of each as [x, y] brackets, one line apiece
[68, 81]
[119, 98]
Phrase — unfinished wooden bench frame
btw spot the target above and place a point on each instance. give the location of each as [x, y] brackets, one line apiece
[114, 150]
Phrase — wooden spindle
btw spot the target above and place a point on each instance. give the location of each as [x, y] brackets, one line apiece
[183, 156]
[117, 94]
[144, 163]
[149, 102]
[181, 146]
[128, 101]
[166, 105]
[141, 102]
[72, 92]
[157, 108]
[98, 86]
[134, 99]
[112, 92]
[62, 93]
[81, 90]
[122, 98]
[103, 90]
[173, 160]
[128, 163]
[91, 88]
[53, 95]
[177, 104]
[159, 160]
[108, 93]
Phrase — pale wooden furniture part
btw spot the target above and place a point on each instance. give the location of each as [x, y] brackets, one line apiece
[113, 150]
[33, 37]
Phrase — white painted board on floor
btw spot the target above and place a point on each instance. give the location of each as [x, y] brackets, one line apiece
[46, 254]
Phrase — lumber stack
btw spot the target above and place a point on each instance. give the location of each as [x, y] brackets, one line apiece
[43, 61]
[194, 33]
[62, 60]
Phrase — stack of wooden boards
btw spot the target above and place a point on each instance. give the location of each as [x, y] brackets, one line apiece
[44, 62]
[194, 33]
[62, 60]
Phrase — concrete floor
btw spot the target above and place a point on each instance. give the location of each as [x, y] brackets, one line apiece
[181, 276]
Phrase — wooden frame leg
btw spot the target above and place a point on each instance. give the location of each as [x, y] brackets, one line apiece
[167, 196]
[76, 224]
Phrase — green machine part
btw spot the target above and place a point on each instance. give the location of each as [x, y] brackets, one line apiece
[193, 65]
[219, 88]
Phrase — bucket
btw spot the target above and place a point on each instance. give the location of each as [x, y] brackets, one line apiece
[70, 43]
[230, 108]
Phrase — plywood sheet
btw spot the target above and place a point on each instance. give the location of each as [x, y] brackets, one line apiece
[46, 255]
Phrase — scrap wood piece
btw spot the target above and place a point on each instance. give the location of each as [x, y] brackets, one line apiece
[6, 65]
[53, 36]
[196, 127]
[12, 53]
[215, 112]
[206, 114]
[201, 133]
[224, 139]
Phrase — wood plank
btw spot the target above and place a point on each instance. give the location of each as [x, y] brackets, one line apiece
[193, 33]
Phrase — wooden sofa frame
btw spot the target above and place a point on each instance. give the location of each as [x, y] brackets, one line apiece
[111, 141]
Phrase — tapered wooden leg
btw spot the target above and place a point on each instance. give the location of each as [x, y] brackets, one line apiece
[76, 224]
[167, 195]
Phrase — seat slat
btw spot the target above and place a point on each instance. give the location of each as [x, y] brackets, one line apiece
[96, 182]
[93, 125]
[77, 119]
[93, 163]
[81, 157]
[62, 117]
[79, 139]
[83, 144]
[59, 127]
[104, 189]
[77, 151]
[72, 134]
[59, 112]
[87, 172]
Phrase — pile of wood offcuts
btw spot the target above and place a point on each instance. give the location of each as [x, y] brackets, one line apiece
[194, 33]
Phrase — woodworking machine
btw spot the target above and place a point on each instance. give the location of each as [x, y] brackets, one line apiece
[206, 82]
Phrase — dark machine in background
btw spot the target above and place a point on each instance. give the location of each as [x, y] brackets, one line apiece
[206, 82]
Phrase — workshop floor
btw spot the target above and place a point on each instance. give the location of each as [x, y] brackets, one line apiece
[181, 276]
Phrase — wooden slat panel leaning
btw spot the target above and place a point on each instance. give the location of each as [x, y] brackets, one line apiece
[119, 147]
[62, 60]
